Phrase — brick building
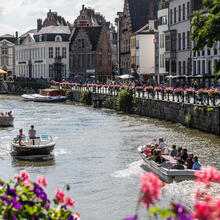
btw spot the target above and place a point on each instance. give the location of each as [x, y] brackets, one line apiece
[135, 15]
[90, 53]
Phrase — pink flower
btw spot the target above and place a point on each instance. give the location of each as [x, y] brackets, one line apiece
[207, 175]
[69, 202]
[23, 177]
[151, 188]
[59, 196]
[42, 181]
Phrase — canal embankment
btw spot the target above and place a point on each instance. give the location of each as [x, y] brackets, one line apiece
[201, 117]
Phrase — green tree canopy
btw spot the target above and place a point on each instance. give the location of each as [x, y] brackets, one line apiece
[206, 27]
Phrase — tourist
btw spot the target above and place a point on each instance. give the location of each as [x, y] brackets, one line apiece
[20, 138]
[32, 133]
[158, 158]
[178, 166]
[161, 144]
[174, 151]
[179, 152]
[196, 164]
[10, 114]
[189, 161]
[184, 155]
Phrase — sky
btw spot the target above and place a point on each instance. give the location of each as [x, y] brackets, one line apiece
[22, 15]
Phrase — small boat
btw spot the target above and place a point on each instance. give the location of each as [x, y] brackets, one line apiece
[167, 175]
[46, 95]
[42, 145]
[6, 121]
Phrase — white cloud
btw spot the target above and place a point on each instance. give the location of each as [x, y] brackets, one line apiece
[22, 14]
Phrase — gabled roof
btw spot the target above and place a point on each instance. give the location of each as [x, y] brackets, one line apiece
[93, 35]
[140, 11]
[54, 30]
[7, 36]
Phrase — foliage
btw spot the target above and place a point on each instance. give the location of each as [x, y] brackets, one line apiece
[54, 87]
[206, 205]
[169, 90]
[86, 97]
[188, 119]
[109, 103]
[210, 109]
[24, 199]
[125, 100]
[189, 91]
[67, 93]
[158, 89]
[178, 91]
[206, 28]
[213, 92]
[30, 85]
[149, 89]
[196, 109]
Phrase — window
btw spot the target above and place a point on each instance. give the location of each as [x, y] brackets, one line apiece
[173, 66]
[208, 51]
[64, 52]
[187, 9]
[194, 67]
[180, 68]
[4, 51]
[179, 13]
[50, 52]
[161, 60]
[209, 67]
[203, 52]
[184, 42]
[215, 50]
[40, 38]
[179, 41]
[203, 67]
[57, 51]
[81, 43]
[51, 71]
[199, 70]
[58, 38]
[188, 39]
[184, 12]
[184, 67]
[162, 20]
[161, 40]
[171, 16]
[174, 15]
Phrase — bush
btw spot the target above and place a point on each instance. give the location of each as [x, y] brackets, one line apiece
[86, 97]
[125, 100]
[109, 103]
[188, 119]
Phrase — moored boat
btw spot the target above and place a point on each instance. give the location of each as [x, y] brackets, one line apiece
[6, 121]
[165, 174]
[42, 145]
[46, 95]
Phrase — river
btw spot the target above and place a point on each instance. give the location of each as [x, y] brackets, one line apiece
[96, 154]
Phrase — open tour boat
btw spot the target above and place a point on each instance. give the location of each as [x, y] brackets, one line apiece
[6, 121]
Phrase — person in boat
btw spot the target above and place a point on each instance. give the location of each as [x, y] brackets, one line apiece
[174, 151]
[20, 138]
[189, 162]
[32, 132]
[196, 164]
[158, 158]
[10, 114]
[167, 164]
[179, 165]
[161, 144]
[184, 155]
[179, 151]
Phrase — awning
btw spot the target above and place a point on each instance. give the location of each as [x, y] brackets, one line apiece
[2, 71]
[126, 76]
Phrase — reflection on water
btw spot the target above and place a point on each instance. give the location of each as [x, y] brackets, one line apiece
[96, 153]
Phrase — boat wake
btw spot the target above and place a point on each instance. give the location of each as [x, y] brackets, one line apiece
[58, 152]
[132, 169]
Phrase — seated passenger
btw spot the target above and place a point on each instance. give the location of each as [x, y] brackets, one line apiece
[196, 164]
[158, 158]
[161, 144]
[189, 162]
[147, 151]
[174, 151]
[179, 151]
[184, 155]
[32, 133]
[20, 138]
[178, 166]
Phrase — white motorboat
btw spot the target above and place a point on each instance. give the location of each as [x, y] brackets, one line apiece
[167, 175]
[6, 121]
[46, 95]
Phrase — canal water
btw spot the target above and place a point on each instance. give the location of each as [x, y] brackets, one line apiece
[96, 154]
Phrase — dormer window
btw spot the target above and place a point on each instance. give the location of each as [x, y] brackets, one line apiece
[58, 38]
[40, 38]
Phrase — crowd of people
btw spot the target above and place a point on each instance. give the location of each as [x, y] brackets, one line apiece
[6, 114]
[183, 159]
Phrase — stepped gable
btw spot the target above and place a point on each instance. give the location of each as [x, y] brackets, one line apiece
[93, 35]
[141, 11]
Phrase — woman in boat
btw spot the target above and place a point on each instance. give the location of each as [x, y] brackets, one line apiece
[189, 162]
[20, 138]
[174, 151]
[178, 166]
[158, 158]
[196, 164]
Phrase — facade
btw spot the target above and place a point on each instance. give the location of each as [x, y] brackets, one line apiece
[177, 42]
[135, 15]
[7, 53]
[44, 52]
[90, 53]
[163, 19]
[143, 52]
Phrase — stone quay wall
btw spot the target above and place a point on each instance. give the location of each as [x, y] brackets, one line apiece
[196, 116]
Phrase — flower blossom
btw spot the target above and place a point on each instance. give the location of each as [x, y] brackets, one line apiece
[24, 178]
[207, 175]
[132, 218]
[59, 196]
[69, 202]
[42, 181]
[151, 189]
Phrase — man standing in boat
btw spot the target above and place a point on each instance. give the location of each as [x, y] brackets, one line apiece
[32, 133]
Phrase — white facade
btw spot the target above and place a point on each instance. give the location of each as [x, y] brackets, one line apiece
[162, 27]
[145, 54]
[36, 59]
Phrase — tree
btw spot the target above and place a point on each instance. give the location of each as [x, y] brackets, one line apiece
[206, 28]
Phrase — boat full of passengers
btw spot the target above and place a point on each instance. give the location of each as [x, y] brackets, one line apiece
[171, 165]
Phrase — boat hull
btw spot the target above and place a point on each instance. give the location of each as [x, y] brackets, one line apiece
[6, 121]
[40, 98]
[168, 175]
[32, 149]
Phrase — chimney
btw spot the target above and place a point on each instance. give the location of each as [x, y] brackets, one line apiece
[39, 24]
[83, 7]
[16, 35]
[151, 24]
